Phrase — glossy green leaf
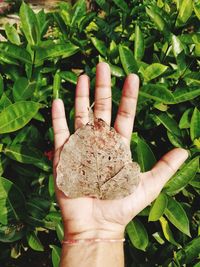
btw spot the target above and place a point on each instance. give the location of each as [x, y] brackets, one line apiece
[157, 92]
[23, 89]
[28, 155]
[182, 177]
[60, 231]
[185, 120]
[17, 115]
[1, 85]
[12, 232]
[122, 5]
[79, 10]
[55, 255]
[15, 52]
[167, 231]
[103, 4]
[12, 34]
[4, 101]
[185, 12]
[29, 24]
[158, 207]
[195, 125]
[175, 140]
[99, 45]
[153, 71]
[12, 202]
[54, 51]
[68, 76]
[127, 59]
[51, 186]
[196, 6]
[189, 252]
[176, 45]
[177, 215]
[137, 234]
[145, 156]
[169, 123]
[157, 19]
[138, 44]
[34, 242]
[186, 93]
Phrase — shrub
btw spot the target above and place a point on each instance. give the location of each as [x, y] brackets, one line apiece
[158, 40]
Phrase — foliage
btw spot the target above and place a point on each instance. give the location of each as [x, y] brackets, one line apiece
[158, 40]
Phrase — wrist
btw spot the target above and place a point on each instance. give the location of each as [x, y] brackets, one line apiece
[78, 230]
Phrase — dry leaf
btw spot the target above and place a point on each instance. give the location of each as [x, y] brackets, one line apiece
[96, 162]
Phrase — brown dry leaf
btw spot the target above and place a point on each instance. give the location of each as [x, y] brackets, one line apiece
[96, 162]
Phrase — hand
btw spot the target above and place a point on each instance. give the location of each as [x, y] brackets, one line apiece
[88, 217]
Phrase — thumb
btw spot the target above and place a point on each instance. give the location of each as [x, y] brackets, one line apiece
[164, 169]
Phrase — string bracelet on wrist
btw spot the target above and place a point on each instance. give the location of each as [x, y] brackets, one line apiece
[91, 240]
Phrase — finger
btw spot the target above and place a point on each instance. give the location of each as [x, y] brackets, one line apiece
[152, 182]
[127, 108]
[60, 128]
[164, 169]
[103, 101]
[82, 101]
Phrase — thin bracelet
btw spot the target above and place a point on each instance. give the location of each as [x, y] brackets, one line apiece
[91, 240]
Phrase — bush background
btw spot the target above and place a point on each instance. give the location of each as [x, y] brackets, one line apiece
[158, 40]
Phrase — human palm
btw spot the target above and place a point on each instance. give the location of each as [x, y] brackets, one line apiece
[87, 216]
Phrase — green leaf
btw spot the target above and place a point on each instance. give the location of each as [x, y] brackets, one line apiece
[182, 177]
[28, 155]
[145, 156]
[79, 10]
[177, 46]
[12, 232]
[137, 234]
[23, 89]
[15, 52]
[12, 34]
[34, 242]
[55, 50]
[169, 123]
[4, 102]
[167, 231]
[29, 24]
[158, 207]
[195, 125]
[190, 252]
[12, 202]
[60, 231]
[56, 253]
[68, 76]
[1, 85]
[127, 59]
[196, 6]
[17, 115]
[177, 215]
[185, 120]
[185, 12]
[157, 19]
[157, 92]
[186, 93]
[153, 71]
[99, 45]
[138, 44]
[122, 5]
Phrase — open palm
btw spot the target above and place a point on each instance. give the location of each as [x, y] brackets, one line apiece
[86, 216]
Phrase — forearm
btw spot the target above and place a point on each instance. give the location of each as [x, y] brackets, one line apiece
[94, 254]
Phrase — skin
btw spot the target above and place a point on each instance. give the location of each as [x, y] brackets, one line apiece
[89, 217]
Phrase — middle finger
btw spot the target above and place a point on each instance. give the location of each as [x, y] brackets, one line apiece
[103, 99]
